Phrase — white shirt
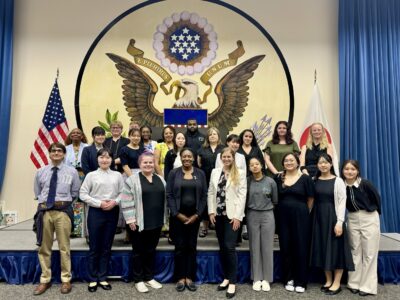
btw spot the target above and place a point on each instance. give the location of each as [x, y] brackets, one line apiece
[101, 185]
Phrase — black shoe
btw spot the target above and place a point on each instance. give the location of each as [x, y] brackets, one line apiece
[353, 291]
[230, 295]
[245, 236]
[222, 288]
[363, 294]
[180, 286]
[191, 286]
[332, 293]
[106, 286]
[92, 289]
[325, 288]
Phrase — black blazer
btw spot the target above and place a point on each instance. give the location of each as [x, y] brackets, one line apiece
[89, 160]
[174, 184]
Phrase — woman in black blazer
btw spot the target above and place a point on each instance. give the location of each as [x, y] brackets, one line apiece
[89, 154]
[186, 197]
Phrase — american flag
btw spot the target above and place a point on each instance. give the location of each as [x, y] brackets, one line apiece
[54, 128]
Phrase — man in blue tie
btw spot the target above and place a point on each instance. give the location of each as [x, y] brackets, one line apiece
[55, 186]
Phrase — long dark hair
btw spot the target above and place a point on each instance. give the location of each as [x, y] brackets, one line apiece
[288, 137]
[329, 159]
[170, 128]
[254, 143]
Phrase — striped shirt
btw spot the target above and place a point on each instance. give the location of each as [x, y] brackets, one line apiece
[68, 183]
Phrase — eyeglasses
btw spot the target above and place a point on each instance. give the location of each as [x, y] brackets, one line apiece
[116, 128]
[56, 151]
[289, 160]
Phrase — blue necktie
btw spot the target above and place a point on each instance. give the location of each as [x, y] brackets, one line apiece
[51, 198]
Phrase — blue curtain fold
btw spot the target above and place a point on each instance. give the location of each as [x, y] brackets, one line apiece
[369, 83]
[6, 55]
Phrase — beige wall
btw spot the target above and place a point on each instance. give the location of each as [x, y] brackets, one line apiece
[51, 34]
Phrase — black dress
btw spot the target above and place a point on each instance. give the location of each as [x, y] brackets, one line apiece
[294, 229]
[328, 252]
[254, 152]
[311, 160]
[130, 156]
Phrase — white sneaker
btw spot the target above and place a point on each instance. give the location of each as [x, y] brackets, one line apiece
[154, 284]
[257, 286]
[299, 289]
[141, 287]
[289, 286]
[265, 286]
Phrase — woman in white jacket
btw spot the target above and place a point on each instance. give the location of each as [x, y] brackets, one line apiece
[226, 203]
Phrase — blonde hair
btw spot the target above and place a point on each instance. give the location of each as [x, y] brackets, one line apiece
[116, 123]
[234, 171]
[210, 130]
[324, 140]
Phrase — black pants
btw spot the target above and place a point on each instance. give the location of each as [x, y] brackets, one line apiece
[144, 244]
[185, 239]
[101, 227]
[294, 241]
[227, 242]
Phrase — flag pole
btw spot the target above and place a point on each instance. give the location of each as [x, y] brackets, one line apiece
[58, 73]
[315, 76]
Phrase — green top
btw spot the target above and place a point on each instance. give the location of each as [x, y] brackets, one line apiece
[276, 153]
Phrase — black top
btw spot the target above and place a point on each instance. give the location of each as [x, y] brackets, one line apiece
[115, 147]
[188, 197]
[254, 152]
[365, 197]
[130, 157]
[194, 140]
[221, 195]
[325, 191]
[208, 159]
[311, 158]
[153, 197]
[174, 189]
[299, 191]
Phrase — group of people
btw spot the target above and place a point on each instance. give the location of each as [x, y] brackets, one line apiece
[187, 179]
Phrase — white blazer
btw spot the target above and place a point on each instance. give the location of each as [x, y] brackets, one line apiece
[235, 198]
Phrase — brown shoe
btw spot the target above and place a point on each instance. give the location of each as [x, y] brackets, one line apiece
[66, 287]
[41, 288]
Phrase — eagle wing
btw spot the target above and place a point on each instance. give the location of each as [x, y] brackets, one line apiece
[139, 91]
[232, 93]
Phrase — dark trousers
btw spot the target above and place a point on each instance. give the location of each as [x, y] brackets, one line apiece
[185, 239]
[294, 241]
[101, 226]
[144, 244]
[227, 242]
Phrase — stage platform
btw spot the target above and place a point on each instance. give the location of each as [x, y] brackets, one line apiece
[19, 262]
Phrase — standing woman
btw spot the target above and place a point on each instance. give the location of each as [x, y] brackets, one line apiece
[233, 142]
[143, 201]
[131, 152]
[75, 142]
[207, 155]
[173, 157]
[148, 144]
[89, 161]
[317, 144]
[226, 203]
[262, 196]
[296, 196]
[330, 249]
[186, 197]
[116, 142]
[249, 148]
[364, 207]
[100, 190]
[282, 142]
[161, 149]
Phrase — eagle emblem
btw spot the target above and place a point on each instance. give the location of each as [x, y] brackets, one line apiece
[185, 44]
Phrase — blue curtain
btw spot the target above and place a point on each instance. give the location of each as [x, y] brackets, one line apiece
[6, 55]
[369, 82]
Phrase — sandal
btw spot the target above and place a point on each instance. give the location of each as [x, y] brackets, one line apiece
[203, 233]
